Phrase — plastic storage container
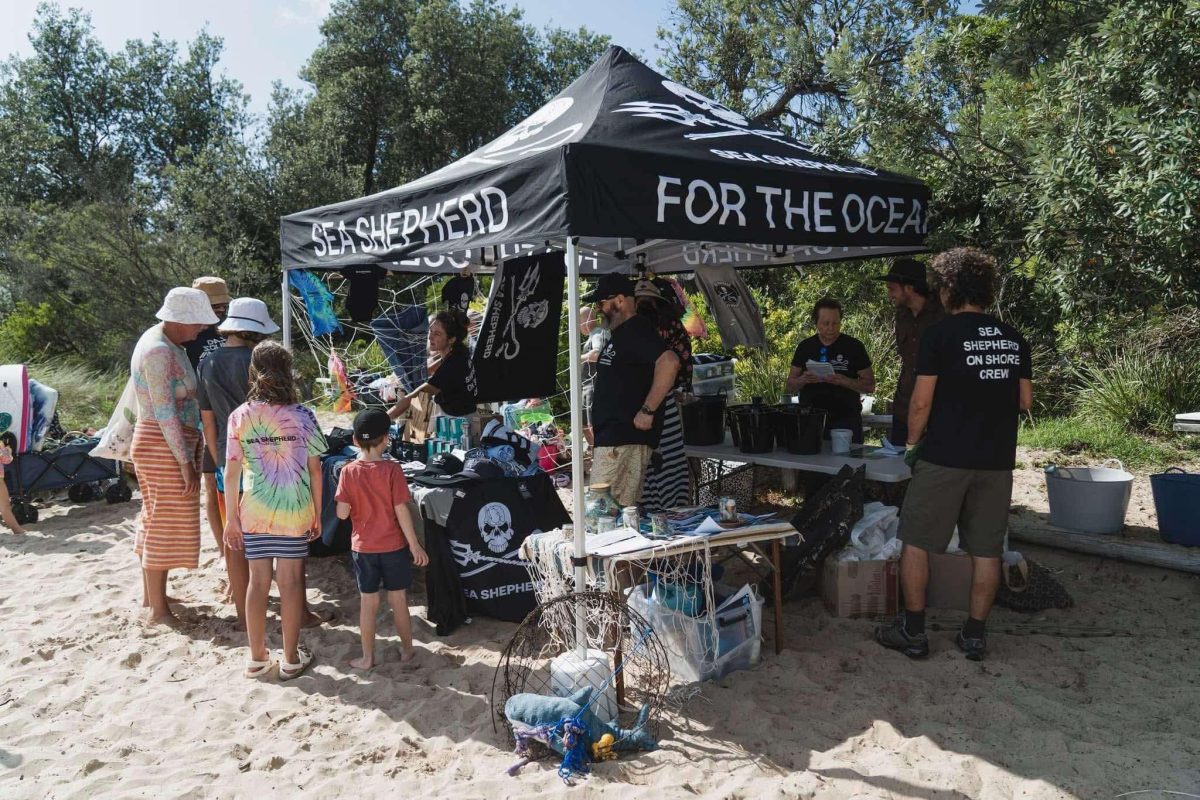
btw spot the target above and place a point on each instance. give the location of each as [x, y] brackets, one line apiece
[1177, 503]
[1089, 499]
[722, 384]
[693, 651]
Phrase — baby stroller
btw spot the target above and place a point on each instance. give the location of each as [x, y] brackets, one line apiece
[65, 466]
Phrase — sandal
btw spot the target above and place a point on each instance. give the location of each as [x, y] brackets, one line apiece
[257, 669]
[289, 671]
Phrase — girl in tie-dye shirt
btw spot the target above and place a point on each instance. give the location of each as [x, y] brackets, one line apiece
[273, 501]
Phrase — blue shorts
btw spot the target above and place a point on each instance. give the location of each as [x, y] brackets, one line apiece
[393, 570]
[265, 545]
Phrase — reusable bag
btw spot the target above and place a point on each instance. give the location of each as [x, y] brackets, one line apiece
[117, 437]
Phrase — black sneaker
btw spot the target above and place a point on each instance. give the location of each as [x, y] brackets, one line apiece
[895, 637]
[972, 647]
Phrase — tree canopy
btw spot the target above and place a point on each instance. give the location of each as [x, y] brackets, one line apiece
[1059, 134]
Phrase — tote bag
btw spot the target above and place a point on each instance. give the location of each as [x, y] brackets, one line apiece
[117, 437]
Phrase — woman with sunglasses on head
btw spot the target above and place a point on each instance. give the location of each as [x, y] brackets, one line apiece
[838, 393]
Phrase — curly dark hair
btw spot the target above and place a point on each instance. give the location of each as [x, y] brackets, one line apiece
[968, 275]
[826, 302]
[455, 323]
[271, 379]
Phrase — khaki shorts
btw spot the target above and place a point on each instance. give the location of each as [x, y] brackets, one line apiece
[623, 468]
[976, 500]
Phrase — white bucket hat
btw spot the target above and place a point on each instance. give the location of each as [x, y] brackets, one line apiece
[187, 307]
[247, 315]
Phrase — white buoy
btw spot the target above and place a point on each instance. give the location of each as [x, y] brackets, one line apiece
[569, 673]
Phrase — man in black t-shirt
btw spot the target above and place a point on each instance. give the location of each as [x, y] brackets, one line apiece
[634, 374]
[973, 381]
[210, 338]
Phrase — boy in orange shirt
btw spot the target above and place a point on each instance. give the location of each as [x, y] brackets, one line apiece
[372, 493]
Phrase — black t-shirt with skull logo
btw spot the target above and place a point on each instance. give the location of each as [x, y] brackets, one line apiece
[487, 524]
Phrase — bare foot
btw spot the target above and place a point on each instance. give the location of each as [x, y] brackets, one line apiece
[167, 620]
[406, 656]
[312, 620]
[366, 662]
[19, 531]
[239, 625]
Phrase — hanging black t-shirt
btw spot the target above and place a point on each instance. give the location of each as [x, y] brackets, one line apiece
[457, 293]
[363, 296]
[207, 342]
[978, 361]
[455, 380]
[848, 358]
[487, 524]
[624, 374]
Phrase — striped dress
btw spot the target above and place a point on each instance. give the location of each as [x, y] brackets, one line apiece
[165, 437]
[666, 484]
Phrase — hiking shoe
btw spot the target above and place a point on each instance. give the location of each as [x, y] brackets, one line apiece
[973, 648]
[895, 637]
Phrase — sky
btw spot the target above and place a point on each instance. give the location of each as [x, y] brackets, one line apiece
[269, 40]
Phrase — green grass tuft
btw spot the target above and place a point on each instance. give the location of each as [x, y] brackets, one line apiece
[86, 396]
[1079, 440]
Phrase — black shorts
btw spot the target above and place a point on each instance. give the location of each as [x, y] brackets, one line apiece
[393, 570]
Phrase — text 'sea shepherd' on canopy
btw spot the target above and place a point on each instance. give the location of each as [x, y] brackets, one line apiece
[484, 211]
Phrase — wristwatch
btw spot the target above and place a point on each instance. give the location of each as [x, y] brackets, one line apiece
[646, 410]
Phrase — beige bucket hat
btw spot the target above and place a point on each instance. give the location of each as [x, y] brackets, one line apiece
[187, 307]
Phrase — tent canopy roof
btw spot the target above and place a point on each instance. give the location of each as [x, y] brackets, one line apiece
[638, 168]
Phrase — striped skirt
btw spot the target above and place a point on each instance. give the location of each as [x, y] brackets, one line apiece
[168, 529]
[666, 485]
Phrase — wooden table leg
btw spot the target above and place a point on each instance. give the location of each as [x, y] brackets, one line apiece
[777, 580]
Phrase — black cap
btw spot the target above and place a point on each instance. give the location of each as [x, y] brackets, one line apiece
[482, 468]
[443, 464]
[371, 425]
[610, 285]
[906, 270]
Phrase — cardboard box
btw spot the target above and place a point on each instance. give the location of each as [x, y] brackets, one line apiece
[949, 581]
[861, 588]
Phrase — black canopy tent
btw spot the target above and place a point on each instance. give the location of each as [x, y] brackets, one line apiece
[630, 162]
[623, 169]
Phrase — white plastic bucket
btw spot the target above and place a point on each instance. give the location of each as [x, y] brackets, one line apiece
[1089, 499]
[841, 438]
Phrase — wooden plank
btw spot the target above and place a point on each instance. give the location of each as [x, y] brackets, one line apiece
[1154, 554]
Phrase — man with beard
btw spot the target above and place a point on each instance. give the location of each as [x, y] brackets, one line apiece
[210, 339]
[634, 374]
[916, 309]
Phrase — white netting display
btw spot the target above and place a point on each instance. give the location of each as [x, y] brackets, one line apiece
[386, 355]
[707, 628]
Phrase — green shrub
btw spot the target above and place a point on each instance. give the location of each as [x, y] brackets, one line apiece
[86, 396]
[1140, 391]
[1083, 440]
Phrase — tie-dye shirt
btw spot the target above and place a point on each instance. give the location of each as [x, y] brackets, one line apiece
[274, 444]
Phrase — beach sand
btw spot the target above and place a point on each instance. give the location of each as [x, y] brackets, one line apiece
[1095, 701]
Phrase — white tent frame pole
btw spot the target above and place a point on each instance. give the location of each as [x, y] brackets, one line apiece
[576, 359]
[286, 312]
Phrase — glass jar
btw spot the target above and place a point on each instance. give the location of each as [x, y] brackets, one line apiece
[598, 502]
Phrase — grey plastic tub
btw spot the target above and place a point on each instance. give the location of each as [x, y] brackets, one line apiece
[1089, 499]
